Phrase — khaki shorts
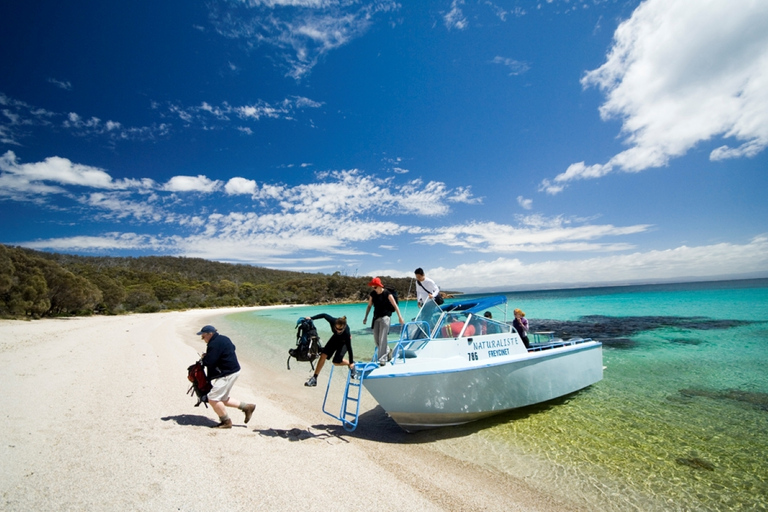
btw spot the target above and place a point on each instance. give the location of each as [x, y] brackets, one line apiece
[222, 387]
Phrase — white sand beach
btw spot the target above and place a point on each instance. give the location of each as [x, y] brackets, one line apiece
[95, 417]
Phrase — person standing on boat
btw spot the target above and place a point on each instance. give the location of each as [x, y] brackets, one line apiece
[384, 305]
[339, 344]
[521, 326]
[425, 288]
[222, 370]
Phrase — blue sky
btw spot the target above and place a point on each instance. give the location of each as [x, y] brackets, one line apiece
[497, 144]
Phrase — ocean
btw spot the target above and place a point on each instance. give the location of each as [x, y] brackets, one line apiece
[679, 421]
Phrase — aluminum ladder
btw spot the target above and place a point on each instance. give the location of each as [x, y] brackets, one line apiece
[349, 412]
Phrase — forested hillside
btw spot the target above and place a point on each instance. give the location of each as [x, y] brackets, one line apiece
[36, 284]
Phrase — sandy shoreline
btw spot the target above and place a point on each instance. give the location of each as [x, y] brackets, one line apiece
[95, 416]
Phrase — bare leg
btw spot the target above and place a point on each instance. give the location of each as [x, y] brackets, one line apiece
[320, 364]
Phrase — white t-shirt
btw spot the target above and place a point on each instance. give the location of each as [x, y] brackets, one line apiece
[422, 295]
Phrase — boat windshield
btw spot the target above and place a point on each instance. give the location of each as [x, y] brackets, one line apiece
[433, 322]
[425, 322]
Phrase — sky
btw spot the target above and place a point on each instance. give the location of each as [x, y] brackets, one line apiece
[499, 145]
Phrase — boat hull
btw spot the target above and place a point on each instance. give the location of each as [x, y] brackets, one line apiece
[427, 394]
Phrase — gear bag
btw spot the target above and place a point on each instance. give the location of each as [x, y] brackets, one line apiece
[200, 385]
[308, 344]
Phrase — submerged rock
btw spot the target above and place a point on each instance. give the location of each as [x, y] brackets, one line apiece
[757, 399]
[695, 463]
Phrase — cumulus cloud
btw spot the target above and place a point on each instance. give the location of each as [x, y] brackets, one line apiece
[197, 183]
[281, 221]
[48, 177]
[524, 203]
[240, 186]
[678, 75]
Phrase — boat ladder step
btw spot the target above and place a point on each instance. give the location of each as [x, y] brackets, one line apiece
[349, 412]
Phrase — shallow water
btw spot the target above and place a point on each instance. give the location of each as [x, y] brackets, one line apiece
[679, 421]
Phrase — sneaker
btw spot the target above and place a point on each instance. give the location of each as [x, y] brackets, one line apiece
[352, 374]
[224, 424]
[312, 382]
[248, 410]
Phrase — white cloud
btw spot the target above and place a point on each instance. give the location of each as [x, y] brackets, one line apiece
[240, 186]
[106, 242]
[515, 67]
[206, 113]
[117, 206]
[304, 30]
[61, 84]
[455, 17]
[534, 235]
[524, 203]
[680, 74]
[682, 262]
[33, 177]
[197, 183]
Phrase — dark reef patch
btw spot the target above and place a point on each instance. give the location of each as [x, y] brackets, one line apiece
[753, 398]
[695, 463]
[616, 331]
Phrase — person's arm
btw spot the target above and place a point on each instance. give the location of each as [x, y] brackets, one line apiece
[397, 309]
[430, 289]
[370, 303]
[435, 290]
[328, 318]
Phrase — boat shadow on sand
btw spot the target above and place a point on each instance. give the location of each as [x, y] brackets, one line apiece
[375, 425]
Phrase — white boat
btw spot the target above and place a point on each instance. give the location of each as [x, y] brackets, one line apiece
[452, 365]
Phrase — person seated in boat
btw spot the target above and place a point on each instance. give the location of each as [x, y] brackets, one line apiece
[488, 327]
[521, 326]
[453, 325]
[339, 344]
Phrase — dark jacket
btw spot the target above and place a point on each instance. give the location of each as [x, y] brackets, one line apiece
[338, 340]
[220, 359]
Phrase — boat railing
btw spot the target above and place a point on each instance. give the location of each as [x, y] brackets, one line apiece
[553, 342]
[414, 335]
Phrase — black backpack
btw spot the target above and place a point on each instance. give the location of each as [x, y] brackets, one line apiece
[308, 344]
[393, 293]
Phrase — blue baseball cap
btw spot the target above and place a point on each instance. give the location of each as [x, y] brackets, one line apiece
[207, 328]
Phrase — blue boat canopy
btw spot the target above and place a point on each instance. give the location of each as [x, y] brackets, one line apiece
[475, 305]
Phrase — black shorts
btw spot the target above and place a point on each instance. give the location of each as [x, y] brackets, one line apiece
[336, 348]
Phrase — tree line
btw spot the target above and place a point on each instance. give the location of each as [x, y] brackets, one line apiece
[36, 284]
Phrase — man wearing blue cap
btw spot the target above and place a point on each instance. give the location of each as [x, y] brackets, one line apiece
[222, 370]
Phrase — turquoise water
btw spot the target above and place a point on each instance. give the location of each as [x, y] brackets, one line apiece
[679, 421]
